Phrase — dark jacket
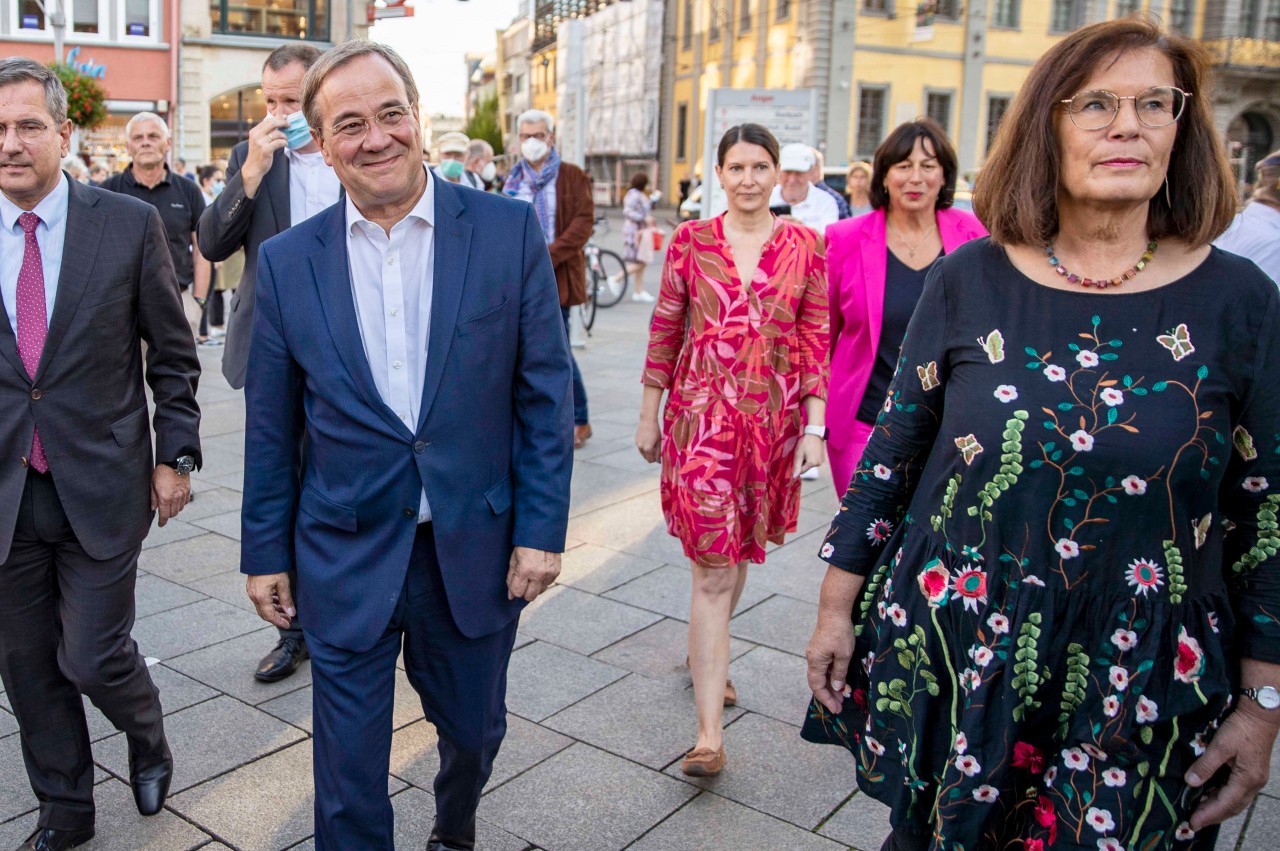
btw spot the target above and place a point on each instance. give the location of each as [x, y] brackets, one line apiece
[575, 219]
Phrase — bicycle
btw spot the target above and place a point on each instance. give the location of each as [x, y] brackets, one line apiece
[608, 272]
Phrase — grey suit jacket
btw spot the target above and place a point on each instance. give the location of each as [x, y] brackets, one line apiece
[116, 290]
[235, 221]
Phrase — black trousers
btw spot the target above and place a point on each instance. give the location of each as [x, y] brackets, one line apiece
[65, 621]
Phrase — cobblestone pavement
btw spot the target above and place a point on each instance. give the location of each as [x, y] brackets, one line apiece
[601, 707]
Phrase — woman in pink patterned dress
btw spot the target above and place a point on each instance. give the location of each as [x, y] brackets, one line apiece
[740, 362]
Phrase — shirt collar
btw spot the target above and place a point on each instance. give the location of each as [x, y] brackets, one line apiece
[311, 160]
[52, 208]
[424, 210]
[129, 176]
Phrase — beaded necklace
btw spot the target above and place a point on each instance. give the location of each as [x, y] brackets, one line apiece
[1102, 283]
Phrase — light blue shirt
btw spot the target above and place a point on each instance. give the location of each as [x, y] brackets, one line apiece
[1255, 233]
[51, 235]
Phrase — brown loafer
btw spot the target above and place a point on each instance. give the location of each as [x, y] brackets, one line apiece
[730, 694]
[581, 434]
[703, 762]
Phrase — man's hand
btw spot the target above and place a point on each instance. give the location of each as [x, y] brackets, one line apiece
[532, 572]
[170, 492]
[1243, 744]
[265, 139]
[272, 597]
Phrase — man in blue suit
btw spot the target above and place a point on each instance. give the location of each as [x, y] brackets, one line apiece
[412, 334]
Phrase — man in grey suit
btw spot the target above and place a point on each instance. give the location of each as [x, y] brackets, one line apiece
[276, 178]
[85, 279]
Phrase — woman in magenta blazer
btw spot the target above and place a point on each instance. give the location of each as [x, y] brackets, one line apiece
[876, 265]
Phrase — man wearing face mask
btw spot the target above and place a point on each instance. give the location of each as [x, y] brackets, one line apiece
[275, 179]
[453, 155]
[561, 196]
[480, 165]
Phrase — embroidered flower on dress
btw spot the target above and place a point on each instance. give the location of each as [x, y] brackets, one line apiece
[1189, 665]
[1134, 485]
[874, 746]
[1112, 397]
[1100, 819]
[1094, 751]
[1067, 548]
[1148, 710]
[1114, 777]
[1111, 706]
[1125, 639]
[981, 656]
[882, 472]
[970, 679]
[971, 585]
[828, 550]
[1006, 393]
[1198, 746]
[1145, 575]
[935, 582]
[1081, 440]
[1075, 759]
[1213, 622]
[881, 609]
[1184, 833]
[897, 614]
[962, 743]
[1028, 756]
[999, 623]
[1256, 484]
[1055, 373]
[1033, 580]
[1050, 776]
[1087, 359]
[967, 765]
[986, 794]
[1109, 843]
[1119, 678]
[879, 531]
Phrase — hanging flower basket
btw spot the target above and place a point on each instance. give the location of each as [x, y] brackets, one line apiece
[86, 99]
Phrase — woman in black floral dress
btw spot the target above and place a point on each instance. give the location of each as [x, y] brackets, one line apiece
[1053, 608]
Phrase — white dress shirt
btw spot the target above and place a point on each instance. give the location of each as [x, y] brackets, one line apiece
[313, 186]
[392, 279]
[817, 210]
[1255, 233]
[51, 235]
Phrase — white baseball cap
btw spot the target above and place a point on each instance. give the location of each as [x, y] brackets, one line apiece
[796, 157]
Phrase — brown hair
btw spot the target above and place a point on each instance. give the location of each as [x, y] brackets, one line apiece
[752, 134]
[639, 180]
[1017, 194]
[898, 147]
[287, 54]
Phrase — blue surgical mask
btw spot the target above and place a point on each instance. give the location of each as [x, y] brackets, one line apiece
[218, 186]
[451, 169]
[297, 133]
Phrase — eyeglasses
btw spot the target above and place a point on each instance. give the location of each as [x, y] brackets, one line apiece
[389, 119]
[541, 137]
[28, 131]
[1158, 106]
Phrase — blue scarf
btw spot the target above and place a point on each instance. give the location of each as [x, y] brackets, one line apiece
[538, 181]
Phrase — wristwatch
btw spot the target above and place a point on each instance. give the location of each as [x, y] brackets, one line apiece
[817, 431]
[184, 464]
[1268, 697]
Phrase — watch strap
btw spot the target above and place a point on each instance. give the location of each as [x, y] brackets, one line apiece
[816, 431]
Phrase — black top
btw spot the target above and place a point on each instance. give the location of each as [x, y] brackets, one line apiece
[180, 204]
[1067, 520]
[902, 288]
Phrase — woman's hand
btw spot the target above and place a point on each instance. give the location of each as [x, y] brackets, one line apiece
[649, 439]
[811, 452]
[1243, 744]
[828, 655]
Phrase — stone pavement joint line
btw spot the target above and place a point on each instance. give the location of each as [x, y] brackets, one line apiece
[601, 703]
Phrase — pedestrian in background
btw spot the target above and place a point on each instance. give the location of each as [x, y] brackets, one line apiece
[1255, 232]
[637, 210]
[858, 182]
[561, 196]
[86, 284]
[213, 316]
[74, 166]
[739, 342]
[818, 177]
[795, 196]
[1050, 612]
[277, 178]
[876, 267]
[453, 155]
[98, 172]
[480, 168]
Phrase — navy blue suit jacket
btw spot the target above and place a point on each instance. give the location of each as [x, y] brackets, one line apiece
[492, 445]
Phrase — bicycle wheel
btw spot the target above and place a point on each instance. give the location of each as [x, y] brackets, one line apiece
[588, 307]
[615, 277]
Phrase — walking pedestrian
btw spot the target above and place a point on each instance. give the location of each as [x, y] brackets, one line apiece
[818, 179]
[858, 181]
[876, 268]
[480, 167]
[453, 156]
[212, 316]
[1255, 232]
[739, 342]
[637, 209]
[793, 195]
[277, 178]
[1049, 616]
[433, 496]
[85, 280]
[560, 193]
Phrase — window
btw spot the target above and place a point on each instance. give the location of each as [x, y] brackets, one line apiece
[997, 106]
[519, 83]
[682, 132]
[1271, 23]
[1006, 14]
[937, 105]
[686, 37]
[1248, 17]
[84, 16]
[871, 104]
[140, 18]
[301, 19]
[878, 7]
[713, 25]
[782, 11]
[1180, 16]
[744, 16]
[1125, 8]
[1066, 15]
[947, 9]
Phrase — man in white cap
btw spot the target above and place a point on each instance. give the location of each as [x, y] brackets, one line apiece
[809, 205]
[453, 158]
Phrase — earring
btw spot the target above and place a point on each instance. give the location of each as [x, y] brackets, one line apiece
[1167, 199]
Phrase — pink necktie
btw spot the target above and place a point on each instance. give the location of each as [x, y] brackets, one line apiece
[33, 321]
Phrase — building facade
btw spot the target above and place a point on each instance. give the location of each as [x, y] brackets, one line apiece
[515, 71]
[128, 46]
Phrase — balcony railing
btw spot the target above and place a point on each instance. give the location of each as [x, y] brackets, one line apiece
[1237, 52]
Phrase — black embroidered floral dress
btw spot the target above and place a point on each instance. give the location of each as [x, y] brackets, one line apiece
[1067, 520]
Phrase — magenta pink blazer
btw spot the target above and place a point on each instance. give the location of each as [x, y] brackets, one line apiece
[856, 261]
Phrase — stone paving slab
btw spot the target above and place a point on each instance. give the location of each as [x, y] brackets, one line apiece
[597, 569]
[1263, 828]
[177, 692]
[632, 525]
[712, 823]
[227, 524]
[594, 484]
[862, 822]
[227, 586]
[782, 623]
[583, 799]
[582, 622]
[543, 679]
[172, 531]
[191, 559]
[170, 634]
[213, 500]
[119, 827]
[772, 683]
[153, 595]
[229, 665]
[8, 724]
[659, 652]
[668, 590]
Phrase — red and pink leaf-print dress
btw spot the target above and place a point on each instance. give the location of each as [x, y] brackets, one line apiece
[737, 359]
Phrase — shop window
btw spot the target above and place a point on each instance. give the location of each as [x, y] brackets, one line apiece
[84, 16]
[871, 112]
[938, 107]
[300, 19]
[1066, 15]
[141, 19]
[1007, 14]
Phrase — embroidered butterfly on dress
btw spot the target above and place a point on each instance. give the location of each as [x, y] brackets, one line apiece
[969, 447]
[1200, 529]
[993, 345]
[1177, 341]
[929, 376]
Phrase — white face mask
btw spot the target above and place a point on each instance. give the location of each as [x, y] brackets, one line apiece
[488, 173]
[533, 150]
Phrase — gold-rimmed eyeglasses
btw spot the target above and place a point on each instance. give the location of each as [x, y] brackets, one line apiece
[389, 119]
[28, 130]
[1158, 106]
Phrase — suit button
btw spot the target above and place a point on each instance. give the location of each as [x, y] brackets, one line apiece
[410, 514]
[36, 394]
[420, 446]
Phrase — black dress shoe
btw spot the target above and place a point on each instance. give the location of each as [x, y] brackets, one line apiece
[151, 784]
[281, 662]
[52, 839]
